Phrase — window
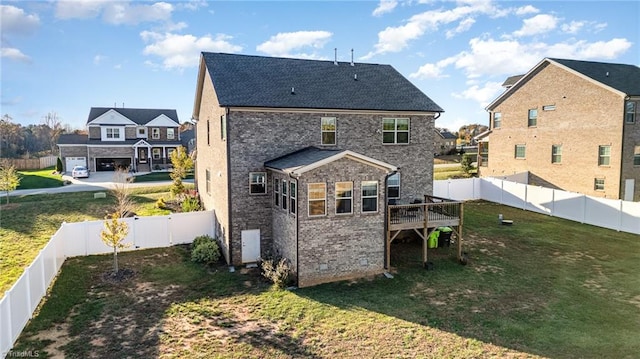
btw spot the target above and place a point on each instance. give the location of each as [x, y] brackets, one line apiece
[317, 197]
[155, 133]
[497, 119]
[208, 181]
[112, 133]
[142, 132]
[292, 197]
[549, 108]
[171, 134]
[369, 196]
[208, 133]
[156, 153]
[395, 130]
[599, 184]
[631, 109]
[556, 154]
[328, 130]
[223, 127]
[393, 186]
[636, 156]
[169, 152]
[604, 156]
[344, 197]
[284, 195]
[257, 183]
[276, 193]
[520, 151]
[533, 118]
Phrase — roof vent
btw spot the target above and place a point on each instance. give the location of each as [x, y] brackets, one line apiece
[607, 74]
[293, 90]
[355, 77]
[352, 64]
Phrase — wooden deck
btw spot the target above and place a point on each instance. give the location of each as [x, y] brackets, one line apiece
[423, 218]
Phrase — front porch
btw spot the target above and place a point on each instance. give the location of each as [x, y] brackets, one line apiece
[423, 218]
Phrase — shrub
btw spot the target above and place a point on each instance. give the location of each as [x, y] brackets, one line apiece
[160, 203]
[277, 271]
[201, 240]
[190, 204]
[59, 165]
[466, 164]
[206, 252]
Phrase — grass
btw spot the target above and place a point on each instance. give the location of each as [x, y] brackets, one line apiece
[28, 222]
[443, 173]
[158, 176]
[542, 287]
[44, 178]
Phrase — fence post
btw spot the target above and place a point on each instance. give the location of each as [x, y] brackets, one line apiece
[620, 213]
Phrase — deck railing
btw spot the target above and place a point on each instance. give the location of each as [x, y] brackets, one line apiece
[438, 210]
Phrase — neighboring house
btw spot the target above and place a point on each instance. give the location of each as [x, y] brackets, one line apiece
[445, 141]
[139, 139]
[572, 125]
[299, 158]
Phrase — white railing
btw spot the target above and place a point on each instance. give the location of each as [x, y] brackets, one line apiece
[608, 213]
[81, 239]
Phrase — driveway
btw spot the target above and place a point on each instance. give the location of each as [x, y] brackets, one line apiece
[97, 181]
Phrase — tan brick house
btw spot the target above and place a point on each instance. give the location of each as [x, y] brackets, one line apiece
[572, 125]
[300, 157]
[140, 139]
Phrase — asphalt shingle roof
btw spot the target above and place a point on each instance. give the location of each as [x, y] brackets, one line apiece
[141, 116]
[257, 81]
[301, 158]
[72, 139]
[624, 78]
[511, 80]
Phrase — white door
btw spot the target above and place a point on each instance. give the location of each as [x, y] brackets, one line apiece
[71, 162]
[250, 245]
[629, 186]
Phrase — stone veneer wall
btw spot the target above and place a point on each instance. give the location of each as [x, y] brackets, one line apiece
[256, 137]
[629, 171]
[586, 116]
[340, 246]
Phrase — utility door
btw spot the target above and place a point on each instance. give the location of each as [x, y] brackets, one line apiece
[629, 188]
[250, 245]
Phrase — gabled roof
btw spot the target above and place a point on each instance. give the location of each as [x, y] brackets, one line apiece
[511, 80]
[72, 139]
[272, 82]
[309, 158]
[621, 78]
[445, 134]
[140, 116]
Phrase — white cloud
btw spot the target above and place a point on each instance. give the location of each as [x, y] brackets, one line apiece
[14, 54]
[193, 4]
[114, 12]
[525, 10]
[284, 44]
[15, 21]
[481, 94]
[538, 24]
[181, 51]
[427, 71]
[385, 6]
[584, 50]
[573, 27]
[98, 59]
[463, 26]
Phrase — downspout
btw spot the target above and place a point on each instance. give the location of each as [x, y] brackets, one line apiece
[386, 219]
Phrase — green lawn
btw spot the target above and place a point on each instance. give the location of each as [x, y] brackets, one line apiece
[157, 176]
[45, 178]
[28, 222]
[542, 287]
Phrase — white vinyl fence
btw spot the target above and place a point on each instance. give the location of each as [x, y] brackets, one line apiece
[608, 213]
[81, 239]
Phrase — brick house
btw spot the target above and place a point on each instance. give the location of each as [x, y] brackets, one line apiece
[572, 125]
[300, 157]
[141, 139]
[445, 141]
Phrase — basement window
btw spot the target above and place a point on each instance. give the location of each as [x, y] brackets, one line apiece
[599, 184]
[549, 108]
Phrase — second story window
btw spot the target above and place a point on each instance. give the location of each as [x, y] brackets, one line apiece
[223, 127]
[276, 193]
[636, 156]
[521, 151]
[208, 180]
[556, 154]
[155, 133]
[142, 132]
[284, 195]
[257, 183]
[317, 198]
[497, 119]
[395, 130]
[369, 196]
[533, 118]
[171, 134]
[344, 197]
[293, 193]
[631, 110]
[328, 130]
[604, 155]
[112, 133]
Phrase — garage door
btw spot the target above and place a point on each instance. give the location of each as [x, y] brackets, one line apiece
[111, 164]
[71, 162]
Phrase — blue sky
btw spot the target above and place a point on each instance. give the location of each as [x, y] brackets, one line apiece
[69, 56]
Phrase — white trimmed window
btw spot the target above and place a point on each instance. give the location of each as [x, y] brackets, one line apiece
[395, 130]
[328, 130]
[497, 119]
[156, 153]
[257, 183]
[171, 133]
[369, 196]
[599, 184]
[556, 154]
[344, 197]
[293, 206]
[284, 195]
[155, 133]
[393, 186]
[631, 110]
[142, 132]
[317, 198]
[604, 155]
[169, 152]
[636, 156]
[113, 133]
[208, 181]
[533, 117]
[223, 127]
[521, 151]
[276, 193]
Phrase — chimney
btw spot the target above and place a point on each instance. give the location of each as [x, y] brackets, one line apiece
[335, 56]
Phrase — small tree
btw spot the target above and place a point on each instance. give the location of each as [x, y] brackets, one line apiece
[182, 164]
[9, 178]
[59, 165]
[466, 164]
[124, 204]
[112, 235]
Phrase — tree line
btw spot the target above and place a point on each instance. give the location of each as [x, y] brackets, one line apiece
[18, 141]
